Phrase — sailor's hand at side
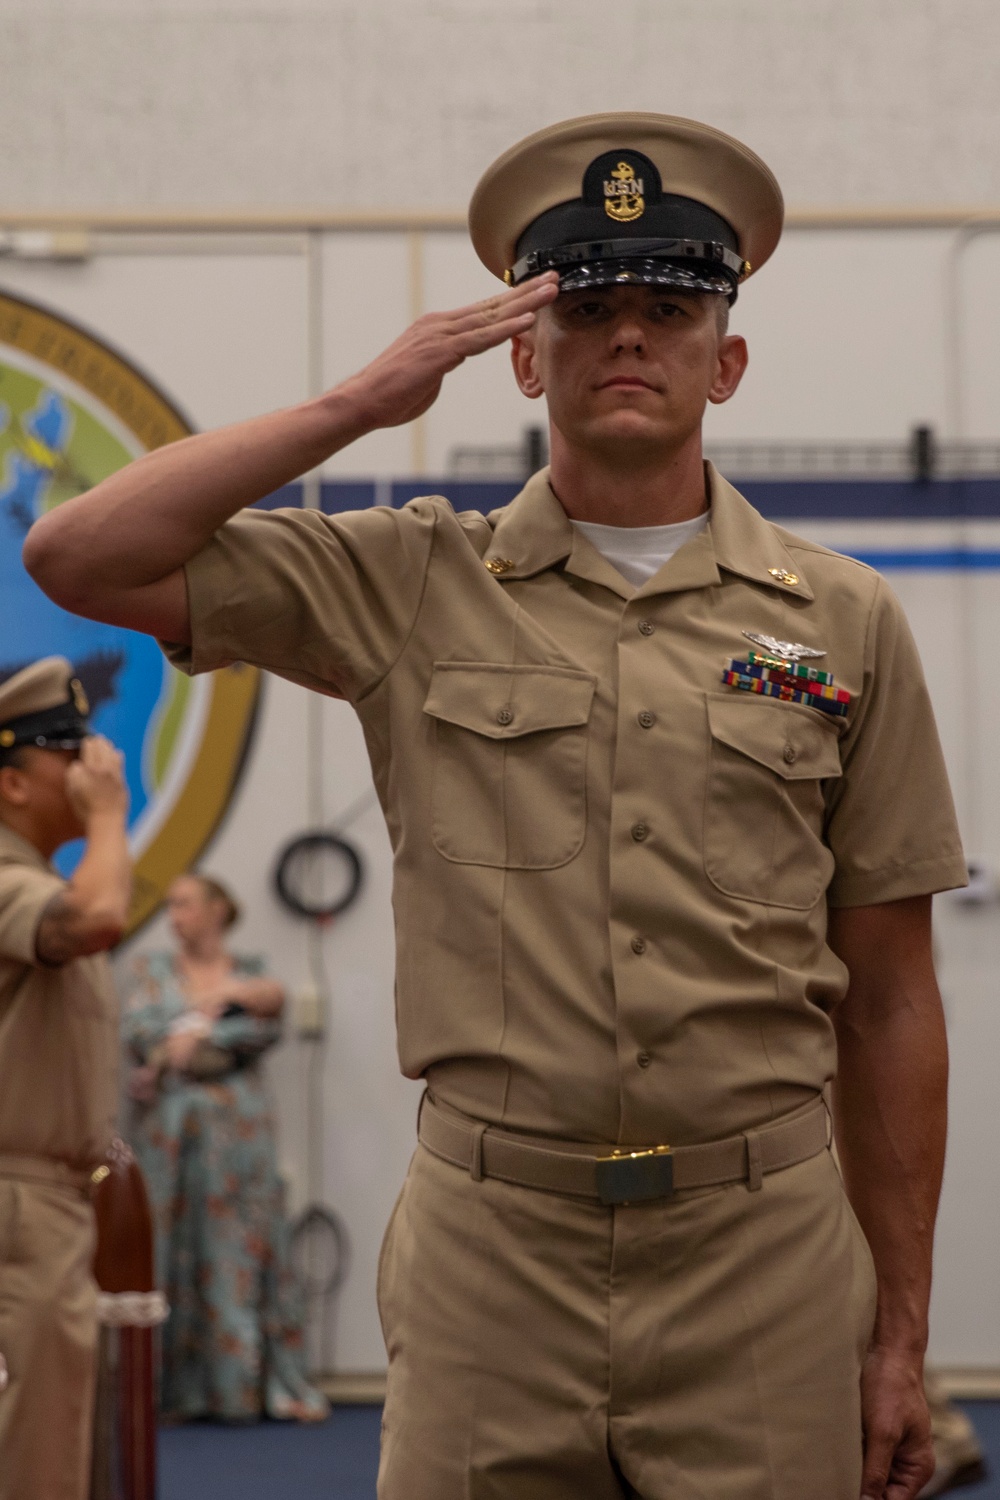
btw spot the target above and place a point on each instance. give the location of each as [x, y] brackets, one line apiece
[405, 379]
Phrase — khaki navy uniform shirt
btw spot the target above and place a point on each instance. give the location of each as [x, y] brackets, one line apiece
[58, 1027]
[612, 872]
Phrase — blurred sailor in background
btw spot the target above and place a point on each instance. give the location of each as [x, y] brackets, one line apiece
[58, 1067]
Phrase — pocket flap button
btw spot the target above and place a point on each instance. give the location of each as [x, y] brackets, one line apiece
[505, 716]
[790, 755]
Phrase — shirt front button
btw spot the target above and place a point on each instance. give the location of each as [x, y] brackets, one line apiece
[646, 627]
[647, 719]
[640, 831]
[504, 716]
[638, 945]
[790, 755]
[644, 1059]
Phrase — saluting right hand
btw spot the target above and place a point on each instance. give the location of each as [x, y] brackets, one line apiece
[96, 782]
[405, 378]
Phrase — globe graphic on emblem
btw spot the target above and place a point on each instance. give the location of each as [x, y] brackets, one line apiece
[72, 411]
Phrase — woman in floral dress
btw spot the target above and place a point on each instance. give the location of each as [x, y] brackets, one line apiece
[196, 1023]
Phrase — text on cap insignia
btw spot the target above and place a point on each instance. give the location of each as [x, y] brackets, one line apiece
[498, 564]
[786, 650]
[783, 576]
[623, 194]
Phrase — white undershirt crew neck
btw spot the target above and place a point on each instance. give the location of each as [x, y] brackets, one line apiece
[640, 551]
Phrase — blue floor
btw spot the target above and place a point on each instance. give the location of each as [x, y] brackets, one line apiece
[986, 1420]
[338, 1460]
[333, 1460]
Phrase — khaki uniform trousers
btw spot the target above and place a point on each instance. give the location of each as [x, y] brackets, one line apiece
[48, 1336]
[708, 1347]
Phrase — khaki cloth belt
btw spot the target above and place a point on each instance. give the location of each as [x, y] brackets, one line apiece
[626, 1175]
[45, 1169]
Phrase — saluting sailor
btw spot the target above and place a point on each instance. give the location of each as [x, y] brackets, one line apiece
[58, 1068]
[668, 807]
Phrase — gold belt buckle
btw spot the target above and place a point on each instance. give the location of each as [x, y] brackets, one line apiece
[635, 1176]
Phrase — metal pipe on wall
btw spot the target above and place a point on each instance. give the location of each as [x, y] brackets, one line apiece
[418, 427]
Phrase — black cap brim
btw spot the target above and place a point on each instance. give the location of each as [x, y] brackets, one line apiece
[59, 728]
[59, 742]
[633, 271]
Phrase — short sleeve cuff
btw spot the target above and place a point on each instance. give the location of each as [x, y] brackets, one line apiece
[203, 655]
[897, 882]
[20, 915]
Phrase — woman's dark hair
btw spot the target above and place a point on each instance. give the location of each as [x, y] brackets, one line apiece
[216, 891]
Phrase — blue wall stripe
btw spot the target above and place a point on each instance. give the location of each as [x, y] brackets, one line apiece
[873, 499]
[784, 500]
[921, 559]
[779, 500]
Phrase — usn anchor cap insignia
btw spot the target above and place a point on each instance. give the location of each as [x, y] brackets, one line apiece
[623, 194]
[498, 565]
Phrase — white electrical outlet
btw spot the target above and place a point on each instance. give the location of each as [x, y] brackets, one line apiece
[309, 1018]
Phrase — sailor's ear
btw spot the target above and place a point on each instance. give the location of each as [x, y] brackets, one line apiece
[525, 365]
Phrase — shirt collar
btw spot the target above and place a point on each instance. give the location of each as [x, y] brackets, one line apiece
[530, 534]
[16, 850]
[746, 544]
[534, 533]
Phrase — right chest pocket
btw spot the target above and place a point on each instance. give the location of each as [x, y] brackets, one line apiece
[510, 763]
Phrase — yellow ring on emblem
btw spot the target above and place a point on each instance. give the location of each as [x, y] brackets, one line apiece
[203, 796]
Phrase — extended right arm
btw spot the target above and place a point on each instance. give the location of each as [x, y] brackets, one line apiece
[117, 553]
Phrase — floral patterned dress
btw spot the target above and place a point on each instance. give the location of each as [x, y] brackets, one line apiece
[232, 1346]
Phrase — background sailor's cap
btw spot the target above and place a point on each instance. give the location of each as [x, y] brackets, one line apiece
[641, 198]
[43, 705]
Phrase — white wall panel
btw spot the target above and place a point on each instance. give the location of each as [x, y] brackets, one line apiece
[480, 403]
[367, 302]
[224, 335]
[846, 333]
[369, 1109]
[846, 338]
[403, 102]
[975, 276]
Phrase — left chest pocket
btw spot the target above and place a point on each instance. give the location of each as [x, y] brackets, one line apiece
[764, 807]
[510, 763]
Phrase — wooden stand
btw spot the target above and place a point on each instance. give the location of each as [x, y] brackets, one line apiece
[124, 1466]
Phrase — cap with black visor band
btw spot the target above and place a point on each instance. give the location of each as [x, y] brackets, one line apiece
[628, 199]
[43, 705]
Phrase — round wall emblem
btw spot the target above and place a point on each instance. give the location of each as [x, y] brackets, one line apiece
[73, 411]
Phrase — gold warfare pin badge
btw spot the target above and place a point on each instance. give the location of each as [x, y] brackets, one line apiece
[80, 701]
[623, 194]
